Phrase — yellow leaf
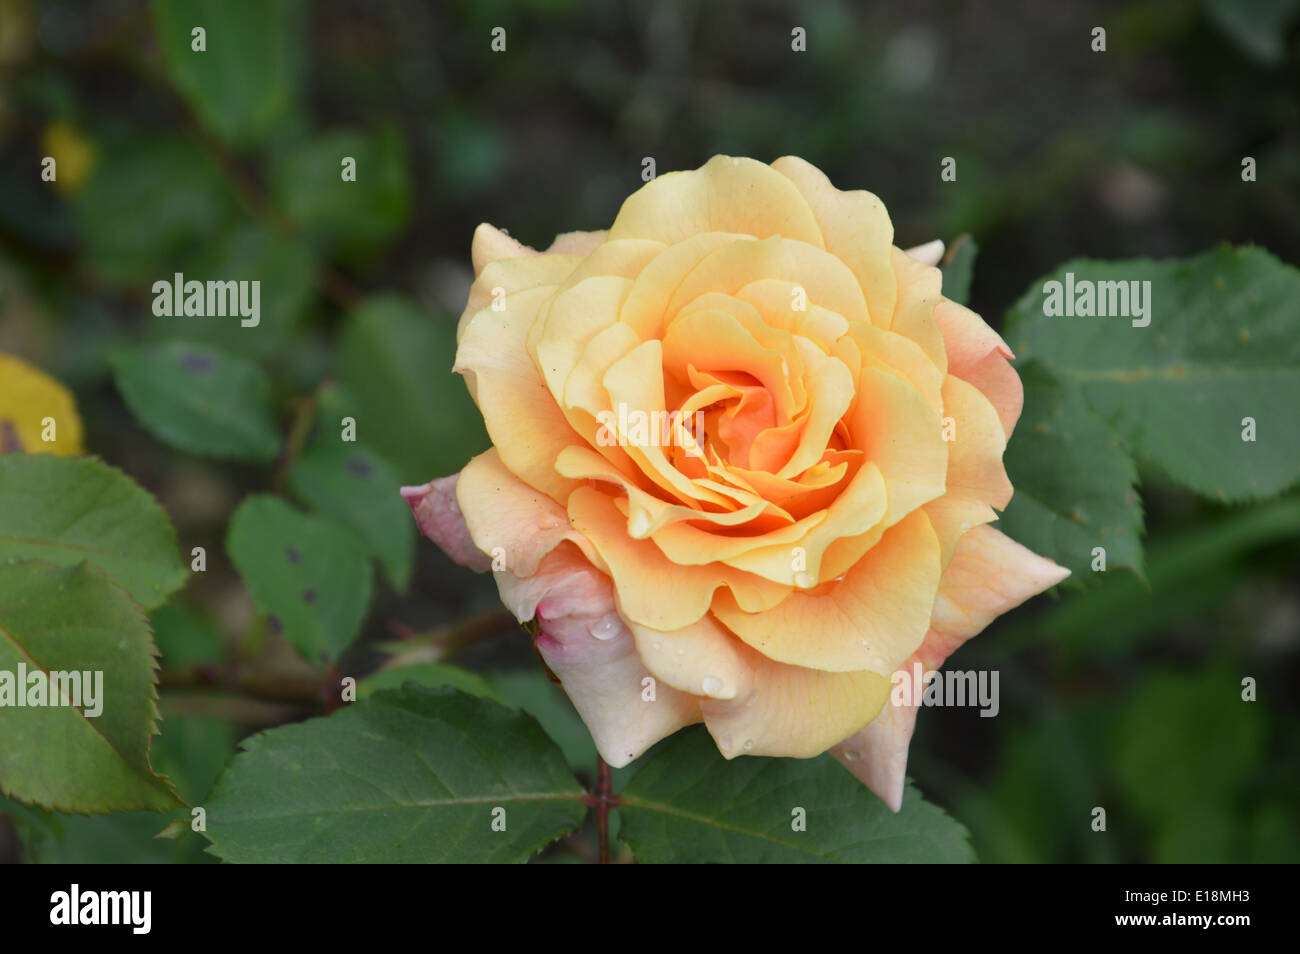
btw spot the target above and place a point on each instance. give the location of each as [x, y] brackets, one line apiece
[37, 413]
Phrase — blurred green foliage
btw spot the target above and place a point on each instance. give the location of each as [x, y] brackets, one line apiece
[1126, 696]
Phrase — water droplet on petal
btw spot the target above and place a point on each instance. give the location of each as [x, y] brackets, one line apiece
[606, 627]
[805, 581]
[851, 755]
[749, 700]
[711, 685]
[749, 744]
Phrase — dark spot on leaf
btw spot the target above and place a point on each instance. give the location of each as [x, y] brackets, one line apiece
[196, 363]
[293, 555]
[309, 596]
[360, 467]
[275, 625]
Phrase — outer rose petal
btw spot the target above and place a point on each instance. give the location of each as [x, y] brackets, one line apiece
[931, 253]
[724, 195]
[591, 651]
[503, 512]
[490, 244]
[989, 574]
[525, 424]
[583, 640]
[877, 755]
[439, 518]
[977, 354]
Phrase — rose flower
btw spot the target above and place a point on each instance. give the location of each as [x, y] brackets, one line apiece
[745, 458]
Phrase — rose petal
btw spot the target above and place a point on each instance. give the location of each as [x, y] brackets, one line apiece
[511, 521]
[594, 656]
[989, 574]
[872, 619]
[856, 230]
[726, 194]
[877, 754]
[792, 711]
[931, 253]
[439, 518]
[525, 424]
[977, 353]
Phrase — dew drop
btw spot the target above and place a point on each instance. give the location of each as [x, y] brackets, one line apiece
[711, 685]
[749, 744]
[851, 755]
[605, 628]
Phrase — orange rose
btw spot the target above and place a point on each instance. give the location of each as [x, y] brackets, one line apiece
[745, 455]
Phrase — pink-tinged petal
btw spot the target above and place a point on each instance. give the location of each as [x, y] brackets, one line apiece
[1000, 383]
[978, 355]
[877, 755]
[989, 574]
[510, 521]
[931, 253]
[593, 654]
[439, 518]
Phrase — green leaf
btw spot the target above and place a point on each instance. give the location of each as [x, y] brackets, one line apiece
[89, 759]
[352, 217]
[1074, 484]
[67, 509]
[405, 776]
[686, 803]
[119, 838]
[244, 82]
[146, 205]
[308, 575]
[184, 637]
[958, 269]
[199, 399]
[532, 691]
[358, 488]
[430, 674]
[396, 361]
[1221, 347]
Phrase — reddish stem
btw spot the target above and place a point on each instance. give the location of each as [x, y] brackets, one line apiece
[603, 802]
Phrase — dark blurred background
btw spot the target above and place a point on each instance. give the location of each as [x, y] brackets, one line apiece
[1125, 696]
